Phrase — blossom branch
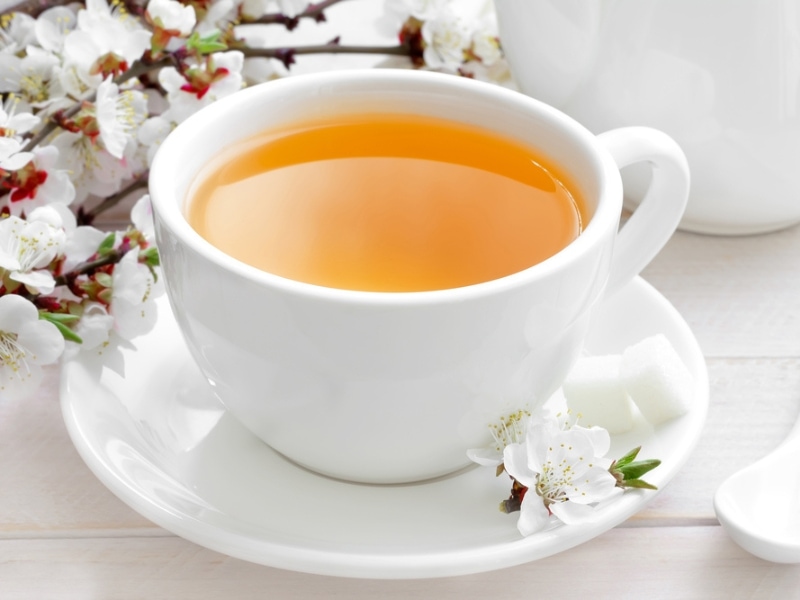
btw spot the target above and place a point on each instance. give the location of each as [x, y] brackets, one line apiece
[313, 11]
[137, 69]
[286, 55]
[87, 217]
[142, 67]
[34, 7]
[111, 257]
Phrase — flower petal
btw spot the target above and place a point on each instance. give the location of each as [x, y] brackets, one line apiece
[15, 310]
[16, 161]
[43, 339]
[42, 282]
[515, 459]
[594, 485]
[533, 515]
[571, 513]
[599, 438]
[487, 457]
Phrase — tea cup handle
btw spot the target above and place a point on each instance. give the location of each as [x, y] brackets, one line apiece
[657, 216]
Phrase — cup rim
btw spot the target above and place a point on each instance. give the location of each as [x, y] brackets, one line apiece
[167, 209]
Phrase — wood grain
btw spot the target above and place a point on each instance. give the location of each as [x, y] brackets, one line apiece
[653, 563]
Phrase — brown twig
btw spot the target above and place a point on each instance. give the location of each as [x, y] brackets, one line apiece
[87, 217]
[286, 55]
[313, 11]
[113, 257]
[30, 7]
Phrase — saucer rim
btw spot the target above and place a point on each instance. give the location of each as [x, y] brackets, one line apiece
[374, 565]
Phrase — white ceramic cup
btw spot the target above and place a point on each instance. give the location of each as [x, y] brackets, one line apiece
[395, 387]
[722, 78]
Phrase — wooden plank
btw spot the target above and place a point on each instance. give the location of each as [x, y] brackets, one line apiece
[740, 295]
[695, 562]
[46, 485]
[754, 403]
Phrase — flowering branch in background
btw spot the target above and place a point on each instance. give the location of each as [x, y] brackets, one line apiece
[89, 91]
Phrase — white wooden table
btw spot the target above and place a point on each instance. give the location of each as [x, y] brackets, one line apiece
[63, 535]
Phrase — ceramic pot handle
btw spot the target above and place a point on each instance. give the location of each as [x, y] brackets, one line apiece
[658, 214]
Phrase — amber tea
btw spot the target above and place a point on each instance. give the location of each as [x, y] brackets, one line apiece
[389, 202]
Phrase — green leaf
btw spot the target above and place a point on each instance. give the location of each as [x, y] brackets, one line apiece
[206, 44]
[60, 325]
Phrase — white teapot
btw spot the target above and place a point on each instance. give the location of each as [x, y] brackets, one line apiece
[722, 77]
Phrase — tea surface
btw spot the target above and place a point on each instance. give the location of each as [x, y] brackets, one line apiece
[388, 203]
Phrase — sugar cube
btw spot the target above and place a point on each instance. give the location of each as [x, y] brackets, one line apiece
[594, 391]
[656, 379]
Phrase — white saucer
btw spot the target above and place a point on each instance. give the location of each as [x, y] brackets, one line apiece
[162, 444]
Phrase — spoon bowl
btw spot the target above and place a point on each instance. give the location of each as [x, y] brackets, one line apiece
[759, 506]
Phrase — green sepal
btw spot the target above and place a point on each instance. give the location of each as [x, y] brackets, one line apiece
[636, 469]
[58, 317]
[150, 257]
[105, 296]
[104, 279]
[107, 245]
[628, 458]
[637, 483]
[627, 471]
[59, 322]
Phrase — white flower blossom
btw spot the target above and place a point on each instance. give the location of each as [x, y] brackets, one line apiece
[11, 156]
[509, 429]
[94, 327]
[258, 70]
[118, 116]
[52, 27]
[422, 10]
[103, 33]
[184, 103]
[564, 471]
[26, 343]
[253, 9]
[57, 187]
[16, 32]
[30, 78]
[133, 292]
[152, 133]
[291, 8]
[172, 16]
[219, 14]
[81, 244]
[447, 38]
[486, 40]
[142, 218]
[92, 169]
[14, 123]
[27, 247]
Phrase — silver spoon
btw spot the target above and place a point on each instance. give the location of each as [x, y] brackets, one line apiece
[759, 506]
